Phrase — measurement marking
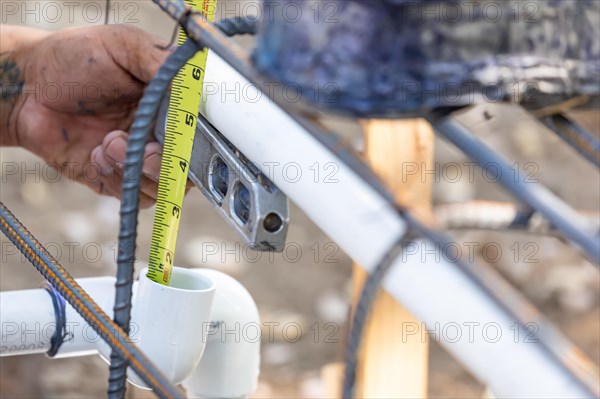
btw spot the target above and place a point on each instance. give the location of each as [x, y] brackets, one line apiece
[187, 112]
[186, 94]
[197, 66]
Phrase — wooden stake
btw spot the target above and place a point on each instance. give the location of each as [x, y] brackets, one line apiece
[390, 365]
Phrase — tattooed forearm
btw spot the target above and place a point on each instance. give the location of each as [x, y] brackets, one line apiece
[11, 82]
[17, 44]
[11, 86]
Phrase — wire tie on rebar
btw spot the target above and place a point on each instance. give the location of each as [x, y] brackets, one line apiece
[182, 22]
[60, 334]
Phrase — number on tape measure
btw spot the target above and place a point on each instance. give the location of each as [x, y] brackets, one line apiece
[196, 73]
[190, 120]
[180, 129]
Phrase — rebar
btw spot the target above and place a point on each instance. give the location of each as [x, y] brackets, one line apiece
[581, 141]
[140, 130]
[536, 196]
[501, 216]
[76, 296]
[361, 313]
[144, 118]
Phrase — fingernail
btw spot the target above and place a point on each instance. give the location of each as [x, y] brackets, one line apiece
[98, 158]
[151, 168]
[117, 149]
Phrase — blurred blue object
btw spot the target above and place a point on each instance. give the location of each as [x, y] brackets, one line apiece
[406, 57]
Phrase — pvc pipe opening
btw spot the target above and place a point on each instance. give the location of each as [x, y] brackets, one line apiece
[184, 280]
[171, 322]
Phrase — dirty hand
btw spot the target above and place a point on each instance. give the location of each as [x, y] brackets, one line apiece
[80, 88]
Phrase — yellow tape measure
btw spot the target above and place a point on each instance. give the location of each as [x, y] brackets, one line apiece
[186, 93]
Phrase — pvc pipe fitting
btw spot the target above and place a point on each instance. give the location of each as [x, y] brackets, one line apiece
[170, 323]
[231, 363]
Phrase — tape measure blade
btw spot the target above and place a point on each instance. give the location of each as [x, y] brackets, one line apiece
[180, 128]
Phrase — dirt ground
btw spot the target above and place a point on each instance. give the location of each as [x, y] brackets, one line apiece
[310, 287]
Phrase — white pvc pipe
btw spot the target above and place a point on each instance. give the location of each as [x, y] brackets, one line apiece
[28, 320]
[170, 324]
[82, 339]
[365, 227]
[331, 194]
[475, 330]
[230, 365]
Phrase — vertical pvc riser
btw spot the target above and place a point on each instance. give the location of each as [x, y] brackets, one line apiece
[160, 312]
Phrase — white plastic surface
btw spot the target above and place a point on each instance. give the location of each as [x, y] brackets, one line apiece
[170, 322]
[366, 227]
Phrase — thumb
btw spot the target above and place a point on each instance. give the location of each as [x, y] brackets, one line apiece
[136, 51]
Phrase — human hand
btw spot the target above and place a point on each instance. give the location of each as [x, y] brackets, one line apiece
[81, 88]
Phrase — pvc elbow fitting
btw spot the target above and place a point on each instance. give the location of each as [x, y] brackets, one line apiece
[170, 323]
[161, 312]
[202, 331]
[230, 366]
